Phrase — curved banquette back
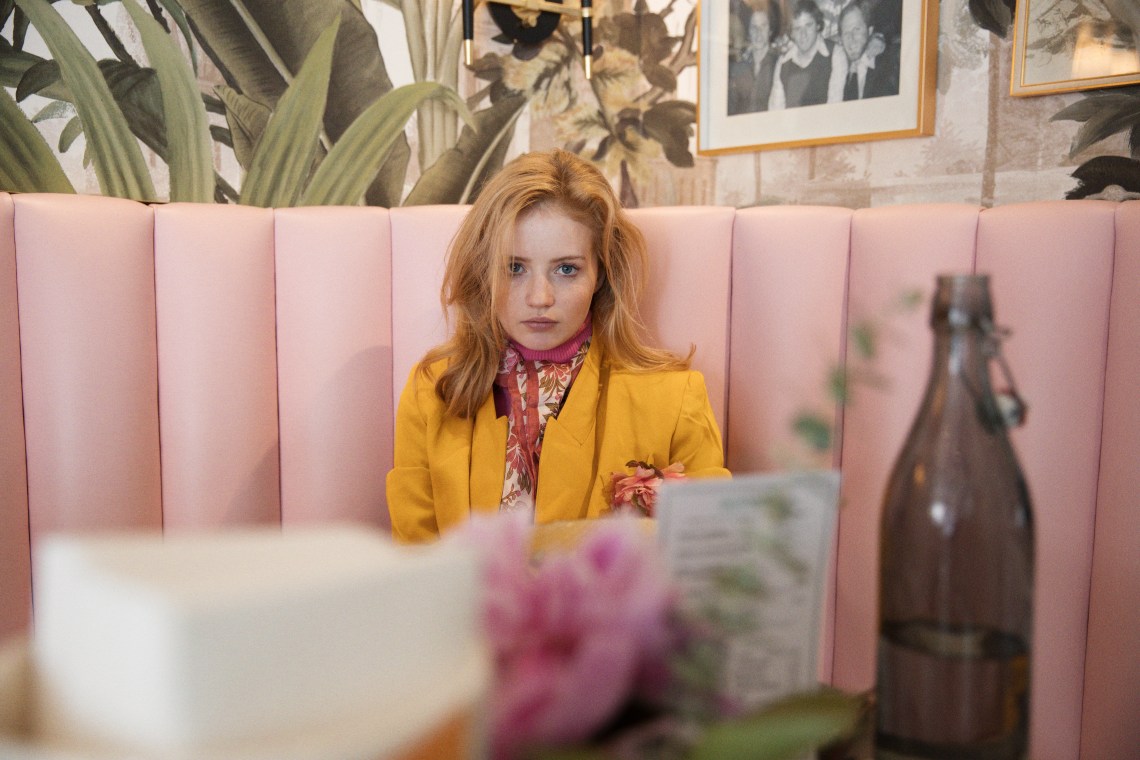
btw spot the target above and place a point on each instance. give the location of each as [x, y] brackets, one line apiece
[186, 366]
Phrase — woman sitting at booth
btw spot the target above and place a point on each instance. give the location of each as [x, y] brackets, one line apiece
[546, 387]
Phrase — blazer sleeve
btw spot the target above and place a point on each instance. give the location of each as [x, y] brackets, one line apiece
[409, 490]
[696, 439]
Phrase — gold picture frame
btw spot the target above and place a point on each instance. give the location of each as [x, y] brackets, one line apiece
[1055, 51]
[735, 113]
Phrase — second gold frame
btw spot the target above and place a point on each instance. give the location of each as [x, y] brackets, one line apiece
[1058, 50]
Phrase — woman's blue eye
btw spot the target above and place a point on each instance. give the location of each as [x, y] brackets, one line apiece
[567, 269]
[515, 267]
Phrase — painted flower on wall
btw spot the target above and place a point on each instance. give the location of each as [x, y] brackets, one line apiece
[628, 112]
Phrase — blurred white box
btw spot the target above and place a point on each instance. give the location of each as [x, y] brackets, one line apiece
[302, 643]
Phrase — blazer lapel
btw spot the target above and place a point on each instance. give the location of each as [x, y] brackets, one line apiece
[566, 468]
[488, 457]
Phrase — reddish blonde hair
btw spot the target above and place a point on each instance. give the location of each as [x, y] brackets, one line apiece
[475, 278]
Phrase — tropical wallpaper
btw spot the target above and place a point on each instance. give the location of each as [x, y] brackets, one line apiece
[305, 102]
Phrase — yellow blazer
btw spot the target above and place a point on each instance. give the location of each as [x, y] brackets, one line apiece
[447, 467]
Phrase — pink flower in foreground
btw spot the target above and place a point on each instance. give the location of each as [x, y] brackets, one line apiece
[637, 493]
[574, 636]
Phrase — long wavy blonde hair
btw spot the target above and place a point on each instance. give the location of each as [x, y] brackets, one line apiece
[475, 279]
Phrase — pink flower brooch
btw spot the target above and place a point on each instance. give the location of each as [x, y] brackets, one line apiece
[636, 493]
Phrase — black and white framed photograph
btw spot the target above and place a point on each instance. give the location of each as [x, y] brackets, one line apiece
[784, 73]
[1075, 45]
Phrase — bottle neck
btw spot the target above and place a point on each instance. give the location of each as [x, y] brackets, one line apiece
[960, 375]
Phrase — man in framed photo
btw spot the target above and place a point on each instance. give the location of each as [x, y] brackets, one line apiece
[867, 63]
[751, 71]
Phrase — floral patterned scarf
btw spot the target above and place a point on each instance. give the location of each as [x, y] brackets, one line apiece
[535, 384]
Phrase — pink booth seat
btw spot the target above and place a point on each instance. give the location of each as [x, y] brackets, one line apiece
[334, 363]
[687, 302]
[87, 342]
[1051, 268]
[205, 366]
[420, 238]
[275, 336]
[214, 282]
[1109, 725]
[786, 344]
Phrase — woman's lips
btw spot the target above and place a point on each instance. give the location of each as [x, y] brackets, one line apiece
[540, 325]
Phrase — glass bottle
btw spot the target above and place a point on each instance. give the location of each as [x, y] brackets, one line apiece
[956, 561]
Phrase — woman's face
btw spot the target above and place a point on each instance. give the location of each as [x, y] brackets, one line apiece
[552, 277]
[804, 32]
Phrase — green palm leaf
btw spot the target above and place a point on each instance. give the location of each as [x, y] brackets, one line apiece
[118, 161]
[27, 163]
[352, 163]
[187, 126]
[175, 10]
[71, 132]
[246, 119]
[1103, 114]
[458, 173]
[260, 44]
[285, 152]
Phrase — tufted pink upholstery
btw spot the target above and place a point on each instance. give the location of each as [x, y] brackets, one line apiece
[85, 276]
[209, 366]
[1112, 666]
[334, 339]
[424, 232]
[214, 280]
[687, 299]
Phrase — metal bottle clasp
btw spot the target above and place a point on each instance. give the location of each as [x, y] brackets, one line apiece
[1011, 405]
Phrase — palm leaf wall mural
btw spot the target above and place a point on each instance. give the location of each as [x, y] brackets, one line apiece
[119, 162]
[33, 168]
[187, 124]
[267, 104]
[300, 77]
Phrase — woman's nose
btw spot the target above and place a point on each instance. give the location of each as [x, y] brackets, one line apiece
[539, 292]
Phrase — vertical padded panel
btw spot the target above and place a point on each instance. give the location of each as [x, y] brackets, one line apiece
[217, 365]
[686, 303]
[421, 236]
[15, 568]
[1110, 730]
[1051, 268]
[334, 363]
[789, 280]
[87, 336]
[894, 249]
[789, 277]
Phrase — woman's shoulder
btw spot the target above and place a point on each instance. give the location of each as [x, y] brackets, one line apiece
[674, 378]
[421, 380]
[432, 368]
